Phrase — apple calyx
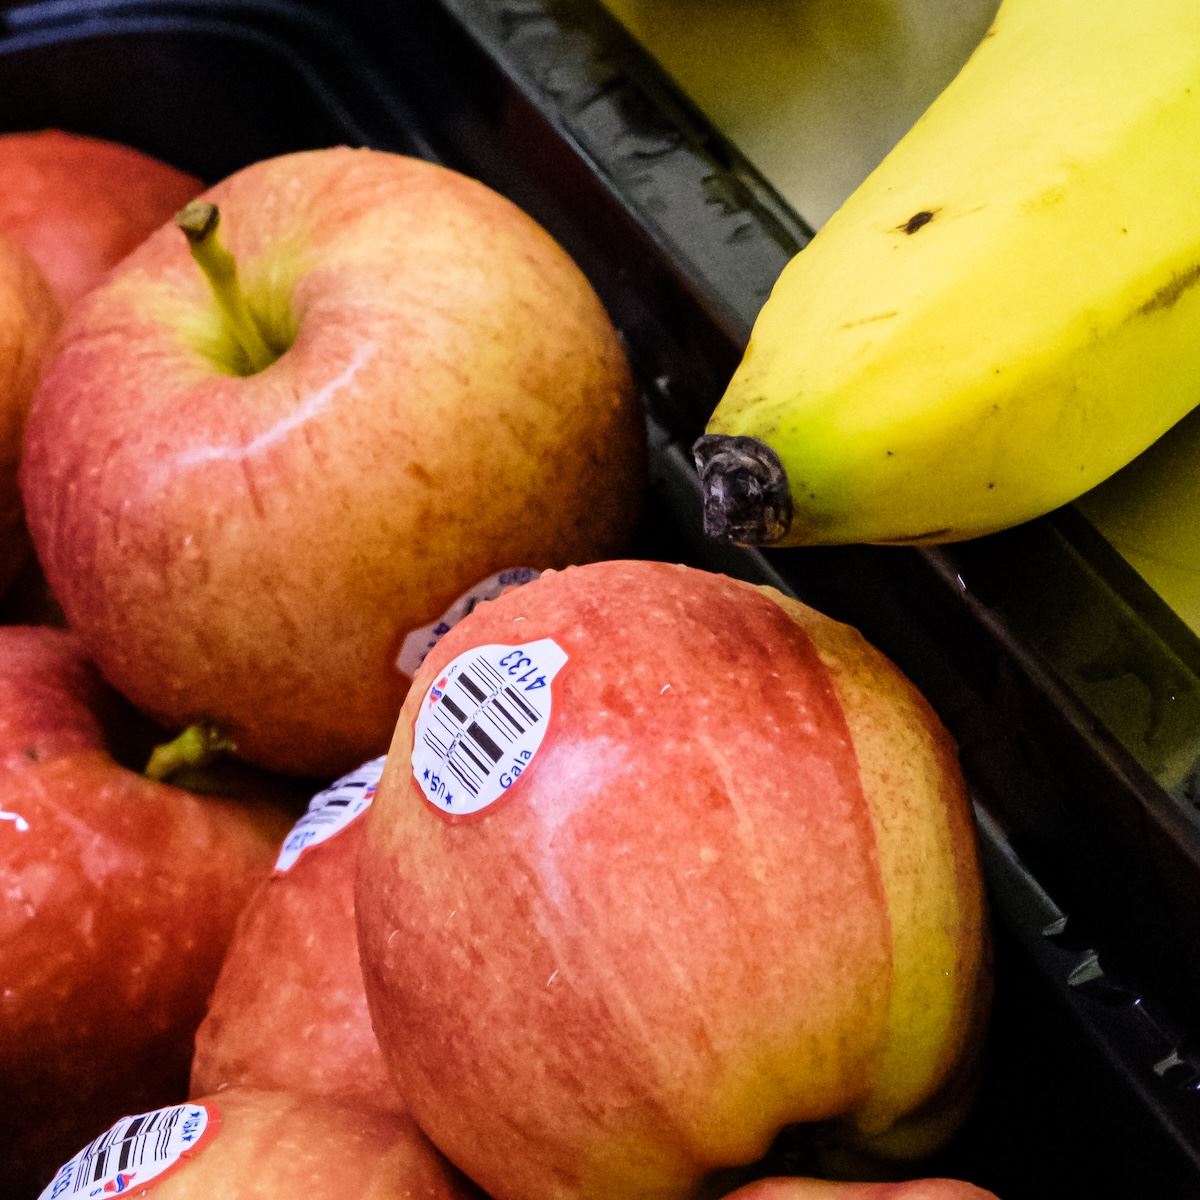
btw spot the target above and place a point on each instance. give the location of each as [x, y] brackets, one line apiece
[199, 221]
[197, 746]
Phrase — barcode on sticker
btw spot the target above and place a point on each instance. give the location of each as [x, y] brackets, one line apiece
[482, 721]
[135, 1151]
[330, 811]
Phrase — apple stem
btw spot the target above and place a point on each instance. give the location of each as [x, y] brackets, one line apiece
[196, 746]
[199, 221]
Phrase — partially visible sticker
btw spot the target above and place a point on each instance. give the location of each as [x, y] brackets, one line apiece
[418, 644]
[330, 811]
[482, 721]
[135, 1152]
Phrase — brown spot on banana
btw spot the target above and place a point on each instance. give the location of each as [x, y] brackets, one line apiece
[1169, 293]
[917, 221]
[883, 316]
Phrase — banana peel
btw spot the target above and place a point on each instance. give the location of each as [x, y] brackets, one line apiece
[1001, 316]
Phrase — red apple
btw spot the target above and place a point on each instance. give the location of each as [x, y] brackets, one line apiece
[79, 204]
[29, 319]
[76, 206]
[815, 1189]
[288, 1011]
[120, 896]
[659, 864]
[245, 1145]
[443, 397]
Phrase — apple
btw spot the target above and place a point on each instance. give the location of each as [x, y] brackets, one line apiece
[29, 319]
[76, 206]
[816, 1189]
[120, 896]
[245, 1144]
[79, 204]
[659, 864]
[288, 1010]
[248, 483]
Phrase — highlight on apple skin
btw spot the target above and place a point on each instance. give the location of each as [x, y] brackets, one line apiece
[120, 898]
[732, 887]
[248, 545]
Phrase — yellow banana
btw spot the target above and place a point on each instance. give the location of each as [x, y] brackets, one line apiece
[1004, 313]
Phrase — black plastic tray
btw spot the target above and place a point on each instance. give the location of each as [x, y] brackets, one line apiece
[1090, 1085]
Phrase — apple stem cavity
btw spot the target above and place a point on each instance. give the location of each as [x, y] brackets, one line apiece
[199, 222]
[197, 746]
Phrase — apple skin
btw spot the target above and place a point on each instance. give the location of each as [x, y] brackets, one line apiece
[76, 206]
[282, 1145]
[79, 204]
[816, 1189]
[29, 321]
[736, 889]
[252, 550]
[120, 897]
[288, 1011]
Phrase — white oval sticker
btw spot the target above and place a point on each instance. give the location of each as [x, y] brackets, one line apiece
[134, 1152]
[418, 644]
[330, 811]
[482, 721]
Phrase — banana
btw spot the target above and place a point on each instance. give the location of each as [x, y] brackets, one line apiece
[1001, 315]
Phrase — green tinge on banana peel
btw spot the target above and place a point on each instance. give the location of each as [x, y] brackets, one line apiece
[1003, 314]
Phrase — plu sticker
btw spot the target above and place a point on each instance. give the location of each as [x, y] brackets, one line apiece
[481, 723]
[330, 811]
[135, 1153]
[418, 644]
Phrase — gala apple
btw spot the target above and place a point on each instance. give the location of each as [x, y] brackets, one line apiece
[246, 490]
[659, 864]
[245, 1145]
[288, 1011]
[120, 896]
[29, 319]
[79, 204]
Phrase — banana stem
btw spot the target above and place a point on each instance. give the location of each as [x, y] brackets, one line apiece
[747, 499]
[199, 221]
[196, 746]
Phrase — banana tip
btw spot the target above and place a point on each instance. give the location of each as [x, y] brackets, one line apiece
[745, 488]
